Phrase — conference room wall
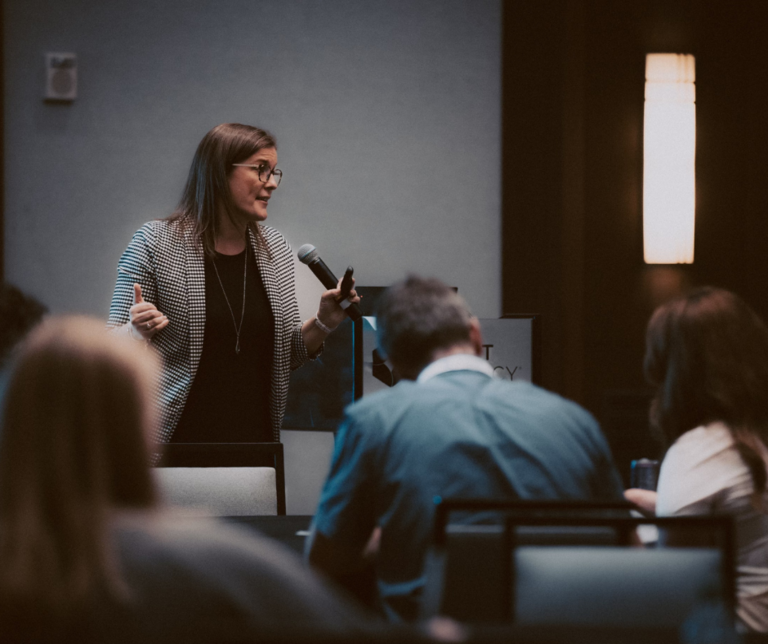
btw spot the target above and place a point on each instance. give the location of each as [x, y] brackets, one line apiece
[387, 115]
[386, 112]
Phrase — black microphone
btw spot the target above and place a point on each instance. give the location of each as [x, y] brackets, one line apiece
[308, 255]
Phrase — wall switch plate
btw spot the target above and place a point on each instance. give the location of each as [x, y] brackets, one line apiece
[60, 76]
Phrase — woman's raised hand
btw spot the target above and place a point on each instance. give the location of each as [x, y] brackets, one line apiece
[146, 320]
[330, 312]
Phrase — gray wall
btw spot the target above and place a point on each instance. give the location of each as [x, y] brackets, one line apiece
[387, 114]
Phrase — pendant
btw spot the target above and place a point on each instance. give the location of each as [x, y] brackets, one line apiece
[237, 347]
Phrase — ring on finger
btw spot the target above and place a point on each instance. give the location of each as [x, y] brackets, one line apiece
[149, 325]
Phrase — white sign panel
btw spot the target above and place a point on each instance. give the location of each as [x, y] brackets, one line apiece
[508, 346]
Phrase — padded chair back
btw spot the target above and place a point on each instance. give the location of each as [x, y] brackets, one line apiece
[577, 573]
[220, 491]
[223, 479]
[613, 586]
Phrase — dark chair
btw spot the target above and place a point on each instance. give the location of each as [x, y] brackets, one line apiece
[224, 479]
[495, 573]
[474, 512]
[464, 577]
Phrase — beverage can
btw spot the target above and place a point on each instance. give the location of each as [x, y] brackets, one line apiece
[644, 474]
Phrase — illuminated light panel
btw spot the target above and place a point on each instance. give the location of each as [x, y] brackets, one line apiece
[669, 147]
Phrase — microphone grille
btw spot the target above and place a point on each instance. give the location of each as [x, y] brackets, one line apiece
[307, 253]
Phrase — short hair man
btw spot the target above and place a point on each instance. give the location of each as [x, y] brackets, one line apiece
[450, 430]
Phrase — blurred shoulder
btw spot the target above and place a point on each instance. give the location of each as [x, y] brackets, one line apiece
[196, 570]
[177, 537]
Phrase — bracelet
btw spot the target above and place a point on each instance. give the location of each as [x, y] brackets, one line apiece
[132, 335]
[322, 326]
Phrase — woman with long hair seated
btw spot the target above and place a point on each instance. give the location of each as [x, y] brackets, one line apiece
[707, 356]
[85, 552]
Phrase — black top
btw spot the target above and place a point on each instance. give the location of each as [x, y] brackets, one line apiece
[229, 399]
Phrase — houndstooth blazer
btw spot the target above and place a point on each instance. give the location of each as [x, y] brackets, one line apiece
[168, 262]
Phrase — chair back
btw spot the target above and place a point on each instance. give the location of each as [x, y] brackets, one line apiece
[463, 577]
[570, 563]
[613, 585]
[224, 479]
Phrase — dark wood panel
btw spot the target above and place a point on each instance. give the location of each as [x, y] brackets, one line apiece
[573, 91]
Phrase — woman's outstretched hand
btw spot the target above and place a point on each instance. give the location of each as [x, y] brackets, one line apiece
[329, 316]
[330, 312]
[146, 320]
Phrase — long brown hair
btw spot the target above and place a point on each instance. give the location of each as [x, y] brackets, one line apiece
[707, 356]
[207, 190]
[74, 448]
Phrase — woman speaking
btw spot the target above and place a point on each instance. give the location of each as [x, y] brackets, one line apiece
[212, 288]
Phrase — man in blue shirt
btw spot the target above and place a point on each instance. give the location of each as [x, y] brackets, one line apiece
[449, 429]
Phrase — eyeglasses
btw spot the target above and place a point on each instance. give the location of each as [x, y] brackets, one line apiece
[265, 172]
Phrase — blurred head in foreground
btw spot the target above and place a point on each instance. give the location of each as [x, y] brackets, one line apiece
[420, 319]
[707, 355]
[73, 450]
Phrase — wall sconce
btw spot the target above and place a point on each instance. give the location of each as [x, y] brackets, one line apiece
[669, 151]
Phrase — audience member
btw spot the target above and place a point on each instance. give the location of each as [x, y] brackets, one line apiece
[18, 314]
[450, 429]
[707, 356]
[85, 553]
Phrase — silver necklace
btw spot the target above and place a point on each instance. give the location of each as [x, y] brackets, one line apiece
[231, 312]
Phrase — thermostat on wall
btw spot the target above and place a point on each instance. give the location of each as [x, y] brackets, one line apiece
[60, 77]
